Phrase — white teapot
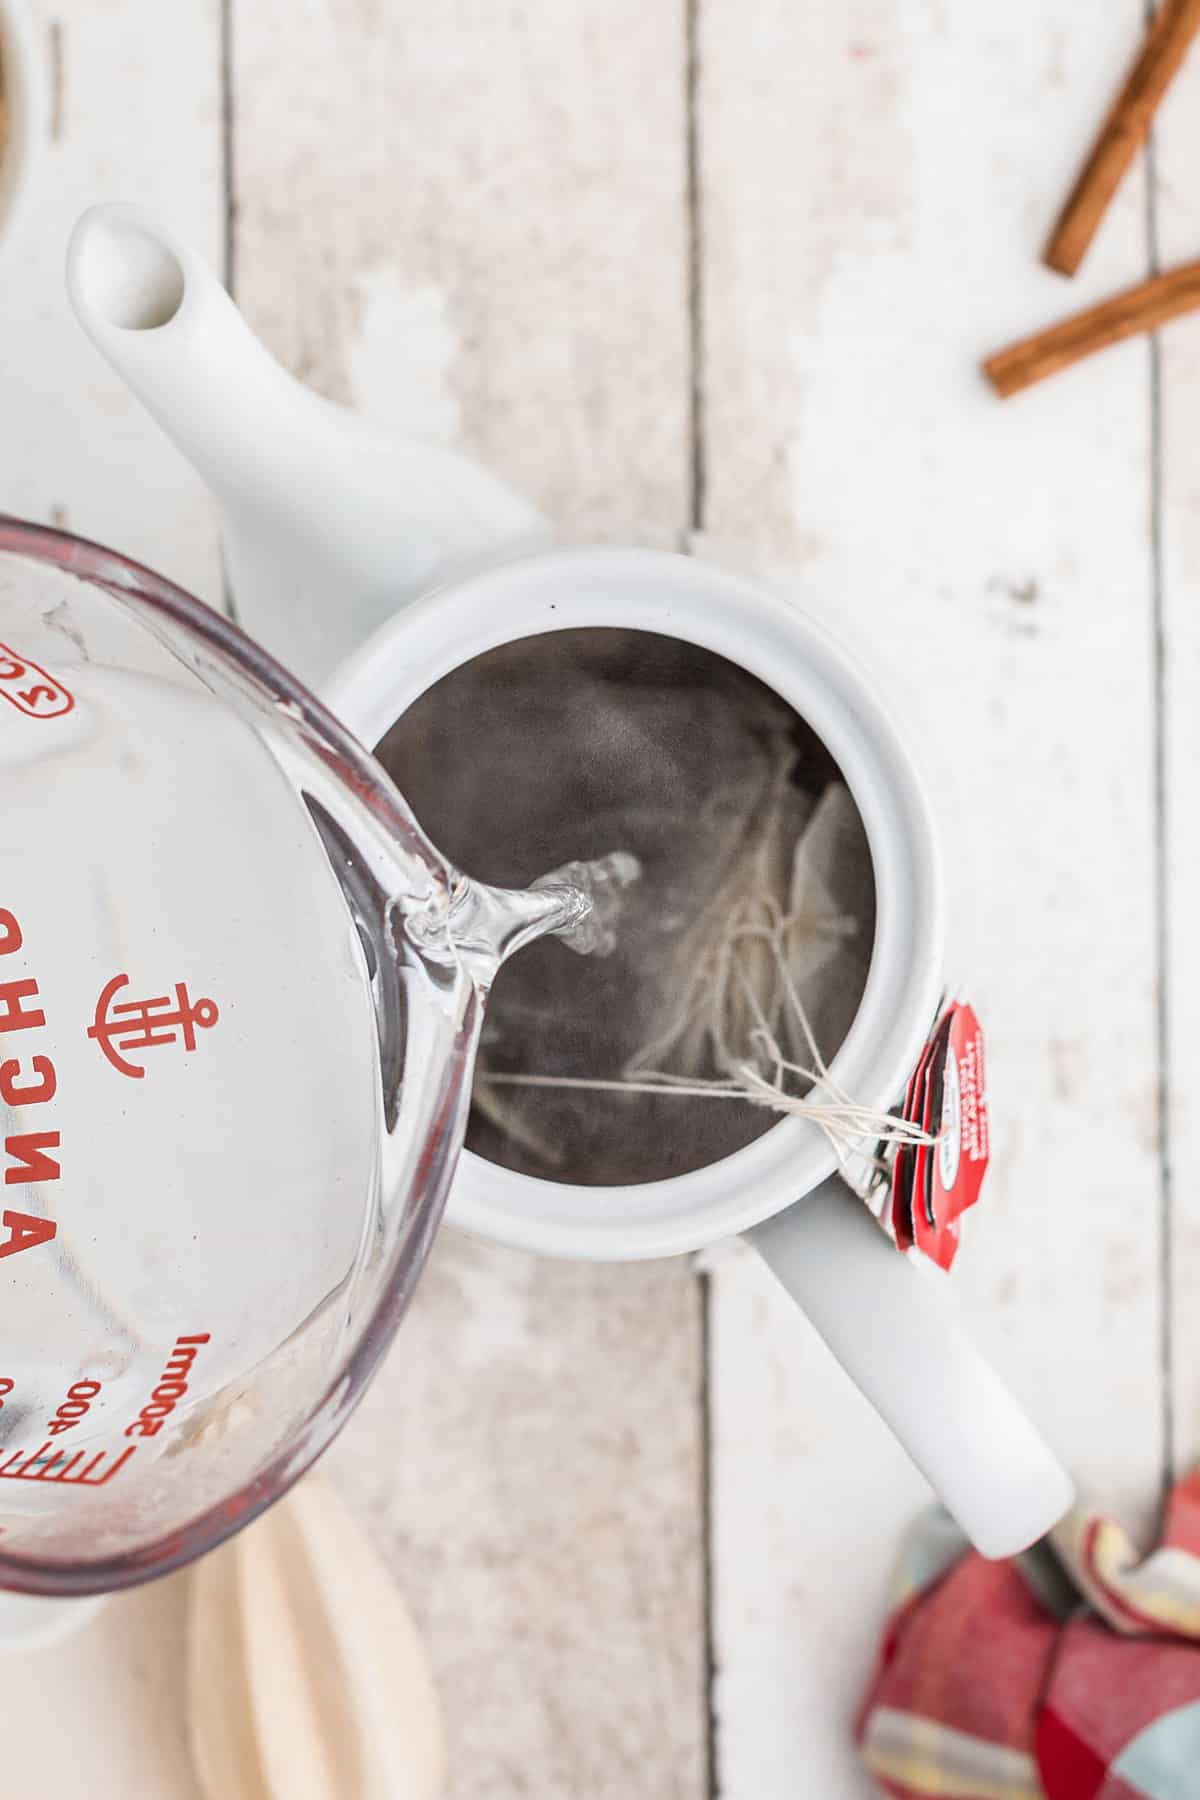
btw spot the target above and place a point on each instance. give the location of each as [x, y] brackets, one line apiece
[373, 567]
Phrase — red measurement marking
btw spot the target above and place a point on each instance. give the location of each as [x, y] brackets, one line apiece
[49, 1464]
[25, 1230]
[30, 689]
[146, 1024]
[172, 1386]
[28, 1150]
[76, 1406]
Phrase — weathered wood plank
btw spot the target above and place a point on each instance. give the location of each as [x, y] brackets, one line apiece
[136, 115]
[876, 181]
[527, 1461]
[470, 223]
[1175, 140]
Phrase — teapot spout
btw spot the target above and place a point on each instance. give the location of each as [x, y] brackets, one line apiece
[329, 525]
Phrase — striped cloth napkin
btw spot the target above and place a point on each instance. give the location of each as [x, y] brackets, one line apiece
[1069, 1673]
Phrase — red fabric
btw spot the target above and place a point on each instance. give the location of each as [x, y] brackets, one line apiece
[981, 1679]
[1135, 1619]
[1105, 1689]
[973, 1654]
[1182, 1527]
[1070, 1768]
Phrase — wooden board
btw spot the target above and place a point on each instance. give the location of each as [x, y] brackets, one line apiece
[876, 180]
[470, 224]
[527, 1461]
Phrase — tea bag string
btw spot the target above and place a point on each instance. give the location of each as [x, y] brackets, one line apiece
[759, 1077]
[845, 1121]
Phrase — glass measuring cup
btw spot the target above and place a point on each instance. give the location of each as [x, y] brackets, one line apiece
[239, 997]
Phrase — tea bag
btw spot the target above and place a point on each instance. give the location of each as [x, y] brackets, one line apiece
[831, 895]
[711, 1004]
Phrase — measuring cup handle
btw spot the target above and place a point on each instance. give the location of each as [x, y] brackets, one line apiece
[898, 1339]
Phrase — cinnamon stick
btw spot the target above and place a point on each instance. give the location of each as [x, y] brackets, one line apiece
[1142, 308]
[1124, 129]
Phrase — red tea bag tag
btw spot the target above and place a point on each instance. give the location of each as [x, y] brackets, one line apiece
[929, 1231]
[960, 1101]
[933, 1185]
[904, 1162]
[899, 1216]
[935, 1056]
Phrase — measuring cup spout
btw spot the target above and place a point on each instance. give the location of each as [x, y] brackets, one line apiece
[581, 903]
[329, 525]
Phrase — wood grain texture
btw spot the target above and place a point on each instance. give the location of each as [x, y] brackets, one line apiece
[469, 221]
[1176, 143]
[1122, 133]
[528, 1463]
[136, 115]
[992, 566]
[1145, 307]
[471, 224]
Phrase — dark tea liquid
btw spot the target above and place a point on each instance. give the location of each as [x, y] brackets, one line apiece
[571, 745]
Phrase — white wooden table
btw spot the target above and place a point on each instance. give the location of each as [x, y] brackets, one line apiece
[726, 263]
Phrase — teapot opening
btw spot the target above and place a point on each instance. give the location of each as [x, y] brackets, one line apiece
[758, 883]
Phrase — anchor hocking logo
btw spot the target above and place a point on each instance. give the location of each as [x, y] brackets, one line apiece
[121, 1027]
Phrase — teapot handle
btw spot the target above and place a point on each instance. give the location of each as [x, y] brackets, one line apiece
[897, 1338]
